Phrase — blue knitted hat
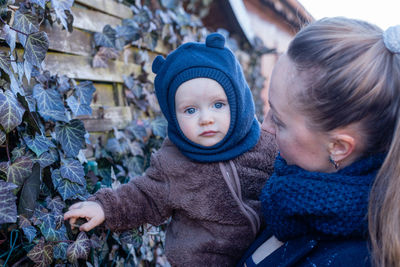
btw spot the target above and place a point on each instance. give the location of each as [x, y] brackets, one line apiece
[210, 60]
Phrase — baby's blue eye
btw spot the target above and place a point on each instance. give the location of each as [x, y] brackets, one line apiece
[219, 105]
[190, 110]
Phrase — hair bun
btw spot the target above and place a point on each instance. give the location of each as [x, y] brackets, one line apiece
[391, 38]
[215, 40]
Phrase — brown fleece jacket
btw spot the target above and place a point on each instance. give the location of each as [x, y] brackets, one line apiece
[211, 225]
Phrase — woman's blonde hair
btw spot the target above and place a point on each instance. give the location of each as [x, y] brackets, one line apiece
[351, 77]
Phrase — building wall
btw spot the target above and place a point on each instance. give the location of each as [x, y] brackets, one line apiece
[274, 32]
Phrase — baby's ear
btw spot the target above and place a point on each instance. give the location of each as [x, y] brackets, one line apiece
[157, 64]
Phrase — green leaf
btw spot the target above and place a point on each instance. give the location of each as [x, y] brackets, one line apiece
[60, 6]
[40, 3]
[39, 144]
[84, 91]
[66, 188]
[60, 250]
[10, 36]
[79, 249]
[72, 170]
[8, 208]
[131, 237]
[3, 137]
[30, 192]
[11, 111]
[50, 104]
[55, 204]
[71, 137]
[30, 232]
[134, 165]
[159, 127]
[5, 62]
[19, 170]
[48, 227]
[41, 254]
[77, 107]
[36, 47]
[26, 23]
[106, 38]
[45, 159]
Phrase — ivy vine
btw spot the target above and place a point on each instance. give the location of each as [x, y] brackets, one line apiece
[43, 169]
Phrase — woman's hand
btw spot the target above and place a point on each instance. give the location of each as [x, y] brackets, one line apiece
[90, 210]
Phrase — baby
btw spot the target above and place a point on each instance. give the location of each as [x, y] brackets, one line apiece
[210, 170]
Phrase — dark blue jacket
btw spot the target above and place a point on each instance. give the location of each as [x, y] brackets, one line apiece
[312, 252]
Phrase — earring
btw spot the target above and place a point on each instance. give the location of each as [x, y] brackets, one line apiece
[336, 164]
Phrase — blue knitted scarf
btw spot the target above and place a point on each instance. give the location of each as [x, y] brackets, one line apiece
[296, 202]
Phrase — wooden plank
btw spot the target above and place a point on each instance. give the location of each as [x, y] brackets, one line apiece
[105, 118]
[79, 67]
[110, 7]
[77, 42]
[104, 95]
[93, 21]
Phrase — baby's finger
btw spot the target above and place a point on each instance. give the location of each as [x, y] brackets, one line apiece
[76, 213]
[77, 205]
[89, 225]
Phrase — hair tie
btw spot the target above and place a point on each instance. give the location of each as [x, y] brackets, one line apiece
[391, 38]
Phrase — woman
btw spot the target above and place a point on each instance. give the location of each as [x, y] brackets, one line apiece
[334, 99]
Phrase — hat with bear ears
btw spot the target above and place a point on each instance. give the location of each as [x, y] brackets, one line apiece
[214, 61]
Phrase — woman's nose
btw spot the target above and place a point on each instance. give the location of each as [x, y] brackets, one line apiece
[267, 124]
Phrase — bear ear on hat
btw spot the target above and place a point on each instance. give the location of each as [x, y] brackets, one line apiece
[157, 64]
[215, 40]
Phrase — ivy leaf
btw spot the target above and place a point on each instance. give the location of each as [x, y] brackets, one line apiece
[26, 23]
[3, 137]
[73, 170]
[77, 107]
[159, 127]
[63, 84]
[49, 228]
[44, 160]
[28, 70]
[55, 204]
[60, 6]
[40, 3]
[39, 144]
[50, 104]
[42, 253]
[79, 249]
[36, 47]
[19, 170]
[30, 192]
[131, 237]
[30, 232]
[5, 63]
[60, 250]
[134, 165]
[18, 152]
[8, 208]
[10, 36]
[129, 30]
[16, 88]
[11, 111]
[66, 188]
[171, 4]
[71, 136]
[106, 38]
[150, 39]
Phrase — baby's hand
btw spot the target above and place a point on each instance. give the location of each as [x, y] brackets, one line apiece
[90, 210]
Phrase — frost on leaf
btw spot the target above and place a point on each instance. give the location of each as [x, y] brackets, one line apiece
[8, 208]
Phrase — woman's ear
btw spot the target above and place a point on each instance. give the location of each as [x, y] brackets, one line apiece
[341, 146]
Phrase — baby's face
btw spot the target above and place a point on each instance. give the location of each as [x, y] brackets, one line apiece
[202, 110]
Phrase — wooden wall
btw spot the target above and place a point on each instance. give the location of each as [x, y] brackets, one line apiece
[71, 54]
